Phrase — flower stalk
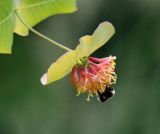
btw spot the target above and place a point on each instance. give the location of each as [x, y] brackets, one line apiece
[39, 34]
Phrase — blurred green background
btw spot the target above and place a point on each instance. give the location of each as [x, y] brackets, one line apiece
[26, 107]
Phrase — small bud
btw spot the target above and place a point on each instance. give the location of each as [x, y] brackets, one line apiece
[44, 79]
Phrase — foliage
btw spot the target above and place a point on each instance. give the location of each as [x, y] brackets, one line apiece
[33, 11]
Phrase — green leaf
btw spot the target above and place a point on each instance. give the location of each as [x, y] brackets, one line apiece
[88, 44]
[7, 24]
[33, 11]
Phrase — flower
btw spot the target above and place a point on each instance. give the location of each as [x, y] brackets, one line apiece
[93, 75]
[89, 74]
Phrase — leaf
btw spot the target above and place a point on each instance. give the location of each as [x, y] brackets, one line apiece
[7, 24]
[60, 68]
[88, 44]
[33, 11]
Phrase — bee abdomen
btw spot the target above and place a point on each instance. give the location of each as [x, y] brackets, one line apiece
[108, 93]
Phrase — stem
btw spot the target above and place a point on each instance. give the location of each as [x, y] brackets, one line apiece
[39, 34]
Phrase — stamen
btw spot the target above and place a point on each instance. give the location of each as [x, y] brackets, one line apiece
[89, 95]
[94, 75]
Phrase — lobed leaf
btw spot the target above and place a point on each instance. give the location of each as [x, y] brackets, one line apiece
[33, 11]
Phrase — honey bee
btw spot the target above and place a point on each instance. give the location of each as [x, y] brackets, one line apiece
[108, 93]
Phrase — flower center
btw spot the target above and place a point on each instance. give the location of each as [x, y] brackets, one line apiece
[82, 62]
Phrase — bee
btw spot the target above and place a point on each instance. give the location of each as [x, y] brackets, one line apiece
[108, 93]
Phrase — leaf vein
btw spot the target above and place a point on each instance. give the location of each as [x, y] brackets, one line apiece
[34, 5]
[5, 19]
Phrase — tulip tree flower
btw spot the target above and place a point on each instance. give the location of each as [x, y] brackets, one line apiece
[88, 74]
[93, 74]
